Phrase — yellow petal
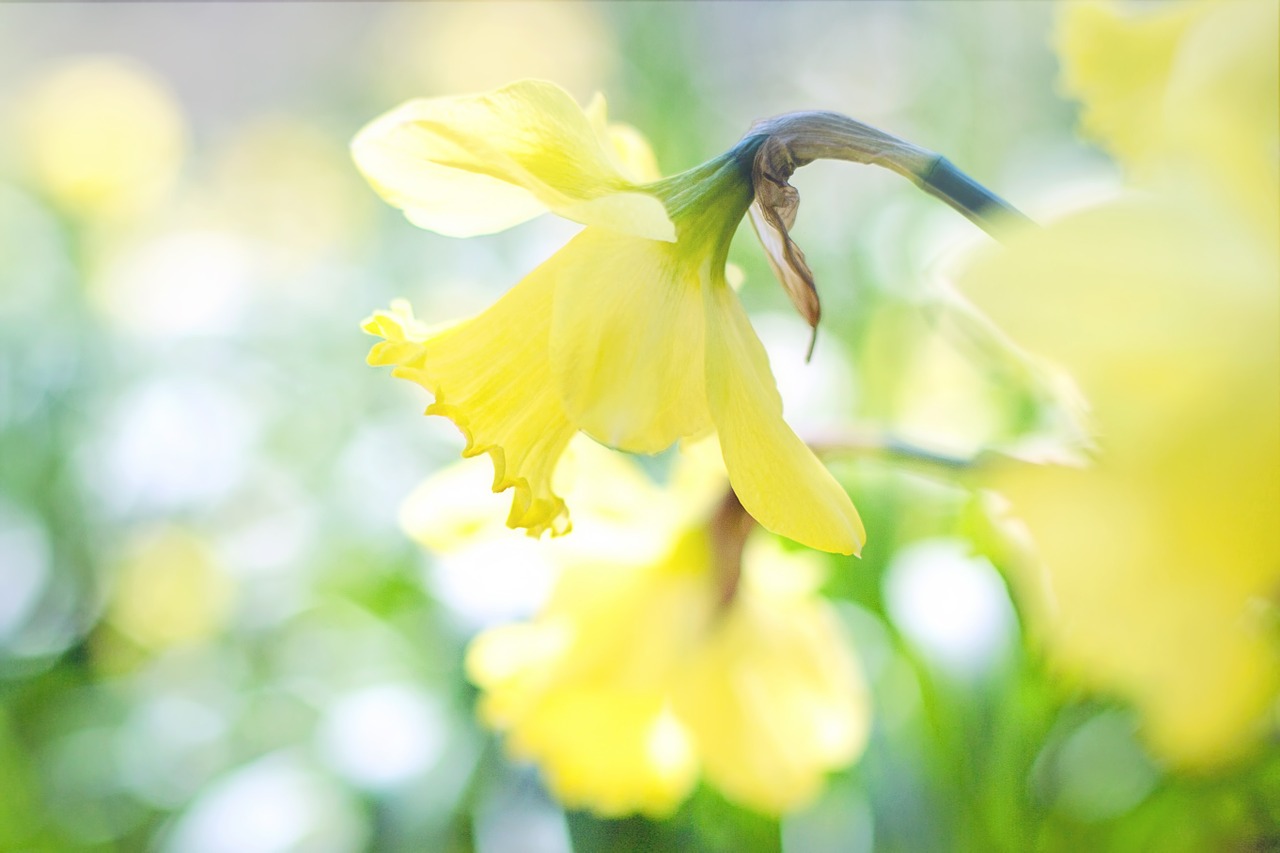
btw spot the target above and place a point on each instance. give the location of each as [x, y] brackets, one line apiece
[1118, 65]
[627, 341]
[510, 664]
[1180, 86]
[453, 508]
[1165, 309]
[633, 154]
[577, 694]
[774, 698]
[491, 376]
[1222, 105]
[614, 751]
[477, 164]
[620, 514]
[775, 475]
[1177, 295]
[1182, 631]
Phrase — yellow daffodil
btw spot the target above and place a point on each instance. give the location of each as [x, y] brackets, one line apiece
[630, 333]
[1163, 558]
[697, 649]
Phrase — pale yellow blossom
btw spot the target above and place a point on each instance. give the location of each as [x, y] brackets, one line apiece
[1163, 558]
[655, 661]
[630, 333]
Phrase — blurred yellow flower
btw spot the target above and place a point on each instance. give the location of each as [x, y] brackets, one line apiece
[1183, 94]
[102, 136]
[169, 590]
[1163, 559]
[630, 333]
[434, 48]
[678, 654]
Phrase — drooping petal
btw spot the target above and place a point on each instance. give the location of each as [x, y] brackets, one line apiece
[775, 475]
[627, 339]
[477, 164]
[491, 376]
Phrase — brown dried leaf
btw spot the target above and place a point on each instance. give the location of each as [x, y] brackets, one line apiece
[773, 213]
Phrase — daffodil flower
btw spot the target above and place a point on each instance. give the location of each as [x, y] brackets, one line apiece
[1161, 561]
[630, 333]
[699, 649]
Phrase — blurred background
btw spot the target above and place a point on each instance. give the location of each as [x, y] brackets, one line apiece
[214, 635]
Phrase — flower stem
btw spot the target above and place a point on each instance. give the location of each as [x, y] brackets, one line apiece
[728, 529]
[803, 137]
[850, 443]
[974, 201]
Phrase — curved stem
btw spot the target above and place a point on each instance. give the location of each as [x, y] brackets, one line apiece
[891, 447]
[809, 136]
[729, 528]
[974, 201]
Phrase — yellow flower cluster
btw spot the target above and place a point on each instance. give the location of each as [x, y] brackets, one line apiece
[675, 645]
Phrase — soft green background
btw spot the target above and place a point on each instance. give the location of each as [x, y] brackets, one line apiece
[324, 709]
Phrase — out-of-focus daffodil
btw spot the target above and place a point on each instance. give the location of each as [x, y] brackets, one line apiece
[1183, 96]
[170, 590]
[102, 136]
[630, 333]
[434, 48]
[1163, 558]
[679, 654]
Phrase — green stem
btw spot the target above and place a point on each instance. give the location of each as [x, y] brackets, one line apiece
[809, 136]
[974, 201]
[853, 444]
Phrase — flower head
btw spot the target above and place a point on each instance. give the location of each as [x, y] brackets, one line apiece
[630, 333]
[697, 649]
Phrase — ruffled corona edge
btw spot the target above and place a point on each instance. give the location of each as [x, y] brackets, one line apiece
[493, 394]
[537, 515]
